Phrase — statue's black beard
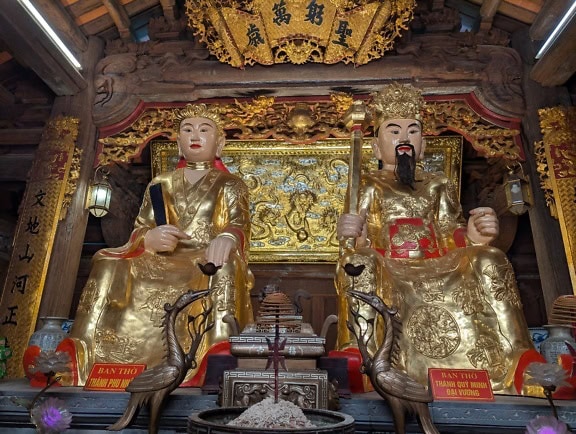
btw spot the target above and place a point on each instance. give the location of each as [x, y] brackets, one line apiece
[406, 167]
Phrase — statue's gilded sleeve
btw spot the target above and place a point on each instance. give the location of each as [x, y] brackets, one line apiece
[450, 221]
[145, 216]
[232, 213]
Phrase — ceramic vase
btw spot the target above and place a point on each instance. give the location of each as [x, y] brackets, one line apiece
[49, 335]
[45, 338]
[555, 344]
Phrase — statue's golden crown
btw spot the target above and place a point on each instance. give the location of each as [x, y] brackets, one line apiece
[396, 101]
[199, 111]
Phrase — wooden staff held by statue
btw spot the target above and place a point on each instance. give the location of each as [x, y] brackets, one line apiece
[356, 120]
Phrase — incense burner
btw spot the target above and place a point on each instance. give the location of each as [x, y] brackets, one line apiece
[284, 368]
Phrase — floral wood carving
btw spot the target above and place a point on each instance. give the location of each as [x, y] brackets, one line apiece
[485, 137]
[302, 122]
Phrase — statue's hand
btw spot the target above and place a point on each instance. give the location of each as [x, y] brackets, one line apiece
[350, 226]
[483, 225]
[219, 249]
[164, 238]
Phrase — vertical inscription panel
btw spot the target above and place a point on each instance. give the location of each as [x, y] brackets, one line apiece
[34, 237]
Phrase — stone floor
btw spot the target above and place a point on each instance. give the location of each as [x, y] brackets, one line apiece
[94, 411]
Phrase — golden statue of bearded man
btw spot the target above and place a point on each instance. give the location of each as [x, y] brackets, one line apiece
[456, 296]
[203, 216]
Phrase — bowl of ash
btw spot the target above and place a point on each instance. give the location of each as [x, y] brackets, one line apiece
[268, 416]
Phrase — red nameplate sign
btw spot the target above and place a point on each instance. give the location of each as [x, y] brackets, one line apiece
[112, 376]
[460, 384]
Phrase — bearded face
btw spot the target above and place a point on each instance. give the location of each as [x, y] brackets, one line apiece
[399, 146]
[405, 164]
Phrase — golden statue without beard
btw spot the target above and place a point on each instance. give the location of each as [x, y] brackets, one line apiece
[206, 220]
[456, 296]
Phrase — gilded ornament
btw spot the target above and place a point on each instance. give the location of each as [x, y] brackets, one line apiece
[72, 182]
[433, 331]
[490, 140]
[89, 296]
[341, 101]
[300, 118]
[488, 354]
[468, 298]
[397, 101]
[108, 344]
[556, 158]
[211, 112]
[502, 284]
[265, 118]
[246, 32]
[59, 128]
[431, 290]
[298, 53]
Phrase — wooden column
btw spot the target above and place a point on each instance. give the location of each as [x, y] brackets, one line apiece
[61, 276]
[548, 242]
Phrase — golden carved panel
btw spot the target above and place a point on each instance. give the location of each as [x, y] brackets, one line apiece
[297, 191]
[246, 32]
[304, 122]
[556, 156]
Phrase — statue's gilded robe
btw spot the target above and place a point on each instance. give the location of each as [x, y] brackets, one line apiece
[120, 312]
[458, 303]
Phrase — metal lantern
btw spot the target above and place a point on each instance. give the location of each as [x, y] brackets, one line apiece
[517, 193]
[99, 194]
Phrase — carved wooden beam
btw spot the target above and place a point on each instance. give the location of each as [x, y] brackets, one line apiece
[118, 94]
[120, 18]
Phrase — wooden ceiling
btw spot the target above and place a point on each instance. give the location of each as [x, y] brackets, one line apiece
[75, 20]
[33, 73]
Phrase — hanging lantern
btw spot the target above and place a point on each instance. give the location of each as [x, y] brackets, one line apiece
[516, 192]
[99, 194]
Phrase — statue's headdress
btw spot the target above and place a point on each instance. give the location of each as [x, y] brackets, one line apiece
[200, 111]
[396, 101]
